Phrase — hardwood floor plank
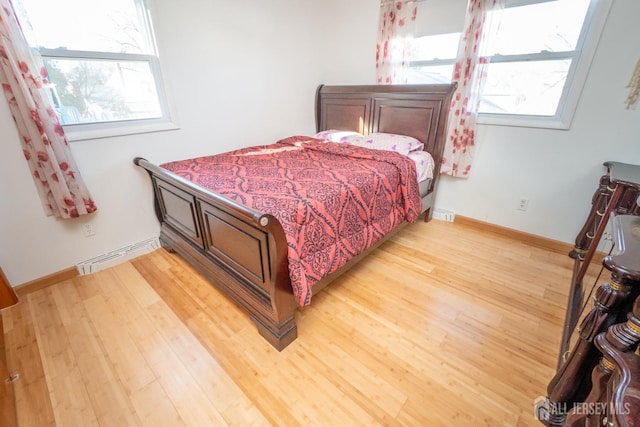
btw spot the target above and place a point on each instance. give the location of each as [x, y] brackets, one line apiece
[442, 325]
[221, 391]
[179, 389]
[106, 393]
[33, 402]
[8, 416]
[70, 399]
[160, 327]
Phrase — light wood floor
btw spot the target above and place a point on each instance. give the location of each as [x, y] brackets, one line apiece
[443, 325]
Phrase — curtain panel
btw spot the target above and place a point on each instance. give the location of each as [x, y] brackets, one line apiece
[469, 72]
[44, 144]
[395, 35]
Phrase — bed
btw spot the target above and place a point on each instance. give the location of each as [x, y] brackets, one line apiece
[245, 251]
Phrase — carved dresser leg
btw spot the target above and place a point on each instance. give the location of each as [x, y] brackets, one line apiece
[572, 382]
[621, 338]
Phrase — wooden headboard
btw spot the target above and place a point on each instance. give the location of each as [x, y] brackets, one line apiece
[419, 111]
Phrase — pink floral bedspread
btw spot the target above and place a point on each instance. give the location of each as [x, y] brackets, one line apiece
[333, 201]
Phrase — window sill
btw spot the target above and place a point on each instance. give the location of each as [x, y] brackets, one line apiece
[109, 130]
[541, 122]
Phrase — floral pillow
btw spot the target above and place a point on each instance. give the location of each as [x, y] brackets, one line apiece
[391, 142]
[343, 136]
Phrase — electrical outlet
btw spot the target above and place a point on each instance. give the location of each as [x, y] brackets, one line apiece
[523, 204]
[89, 230]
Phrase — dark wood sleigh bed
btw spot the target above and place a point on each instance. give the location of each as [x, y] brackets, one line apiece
[243, 251]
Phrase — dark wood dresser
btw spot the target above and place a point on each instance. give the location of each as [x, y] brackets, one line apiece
[617, 194]
[598, 379]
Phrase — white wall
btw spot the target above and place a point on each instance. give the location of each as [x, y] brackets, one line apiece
[237, 70]
[239, 73]
[558, 170]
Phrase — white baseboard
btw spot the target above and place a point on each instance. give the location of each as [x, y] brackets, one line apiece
[118, 256]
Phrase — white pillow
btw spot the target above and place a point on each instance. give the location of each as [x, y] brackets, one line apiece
[424, 164]
[334, 135]
[391, 142]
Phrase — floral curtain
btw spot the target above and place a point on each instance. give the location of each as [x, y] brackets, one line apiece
[395, 32]
[469, 73]
[43, 140]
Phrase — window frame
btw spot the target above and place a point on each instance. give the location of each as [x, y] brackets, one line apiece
[581, 59]
[437, 61]
[94, 130]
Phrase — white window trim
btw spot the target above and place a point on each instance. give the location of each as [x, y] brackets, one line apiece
[432, 62]
[595, 20]
[117, 128]
[88, 131]
[167, 121]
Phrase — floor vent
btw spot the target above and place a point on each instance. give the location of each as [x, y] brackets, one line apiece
[116, 257]
[444, 215]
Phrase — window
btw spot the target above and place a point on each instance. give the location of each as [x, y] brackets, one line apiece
[100, 56]
[437, 57]
[539, 58]
[435, 47]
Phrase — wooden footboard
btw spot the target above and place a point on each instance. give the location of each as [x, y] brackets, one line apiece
[240, 250]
